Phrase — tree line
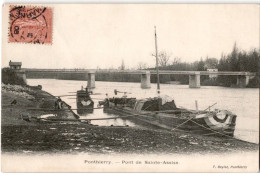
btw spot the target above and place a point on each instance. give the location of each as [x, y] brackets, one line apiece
[238, 60]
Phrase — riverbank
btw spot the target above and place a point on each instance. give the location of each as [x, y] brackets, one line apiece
[79, 137]
[22, 136]
[25, 100]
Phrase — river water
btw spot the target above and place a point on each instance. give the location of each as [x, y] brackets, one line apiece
[243, 102]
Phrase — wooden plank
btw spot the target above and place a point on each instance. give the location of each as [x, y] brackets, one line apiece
[45, 109]
[100, 118]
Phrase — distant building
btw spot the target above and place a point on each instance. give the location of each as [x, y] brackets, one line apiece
[15, 65]
[212, 76]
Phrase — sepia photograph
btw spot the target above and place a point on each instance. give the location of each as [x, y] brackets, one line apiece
[130, 88]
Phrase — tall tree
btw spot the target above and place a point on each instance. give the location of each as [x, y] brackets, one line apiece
[234, 58]
[201, 65]
[122, 67]
[211, 63]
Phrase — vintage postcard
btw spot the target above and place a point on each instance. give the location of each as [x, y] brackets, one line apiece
[130, 88]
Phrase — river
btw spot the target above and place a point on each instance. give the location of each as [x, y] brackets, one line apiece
[243, 102]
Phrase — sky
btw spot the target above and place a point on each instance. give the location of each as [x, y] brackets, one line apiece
[91, 36]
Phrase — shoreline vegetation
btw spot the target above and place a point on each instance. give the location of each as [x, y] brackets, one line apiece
[73, 136]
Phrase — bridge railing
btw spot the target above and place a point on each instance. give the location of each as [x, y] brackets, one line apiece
[142, 71]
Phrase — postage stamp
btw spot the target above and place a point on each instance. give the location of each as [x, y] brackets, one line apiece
[28, 24]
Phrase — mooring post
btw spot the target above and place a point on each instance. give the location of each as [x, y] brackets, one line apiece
[145, 80]
[243, 80]
[91, 79]
[194, 80]
[196, 105]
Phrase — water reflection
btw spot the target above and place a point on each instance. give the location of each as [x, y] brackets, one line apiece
[114, 122]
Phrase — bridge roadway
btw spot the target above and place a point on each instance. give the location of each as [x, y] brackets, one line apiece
[194, 76]
[161, 72]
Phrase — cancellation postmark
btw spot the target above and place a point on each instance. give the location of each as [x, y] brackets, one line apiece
[28, 24]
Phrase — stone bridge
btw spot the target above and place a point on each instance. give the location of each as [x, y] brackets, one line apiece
[194, 76]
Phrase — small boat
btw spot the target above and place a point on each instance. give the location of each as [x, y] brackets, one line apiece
[85, 104]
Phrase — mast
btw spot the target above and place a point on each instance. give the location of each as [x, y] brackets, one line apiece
[157, 68]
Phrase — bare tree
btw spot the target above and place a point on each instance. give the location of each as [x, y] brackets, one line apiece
[163, 58]
[122, 67]
[141, 66]
[176, 60]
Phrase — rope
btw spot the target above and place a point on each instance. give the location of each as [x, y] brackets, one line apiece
[99, 118]
[212, 130]
[91, 98]
[179, 110]
[191, 118]
[150, 105]
[220, 133]
[210, 106]
[183, 123]
[43, 109]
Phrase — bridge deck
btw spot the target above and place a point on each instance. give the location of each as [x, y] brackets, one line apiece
[165, 72]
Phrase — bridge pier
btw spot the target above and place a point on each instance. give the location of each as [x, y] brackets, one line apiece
[91, 80]
[194, 80]
[145, 80]
[242, 80]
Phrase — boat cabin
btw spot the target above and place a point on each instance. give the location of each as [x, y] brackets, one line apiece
[155, 104]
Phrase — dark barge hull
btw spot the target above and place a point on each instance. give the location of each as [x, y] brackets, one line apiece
[84, 109]
[81, 108]
[206, 124]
